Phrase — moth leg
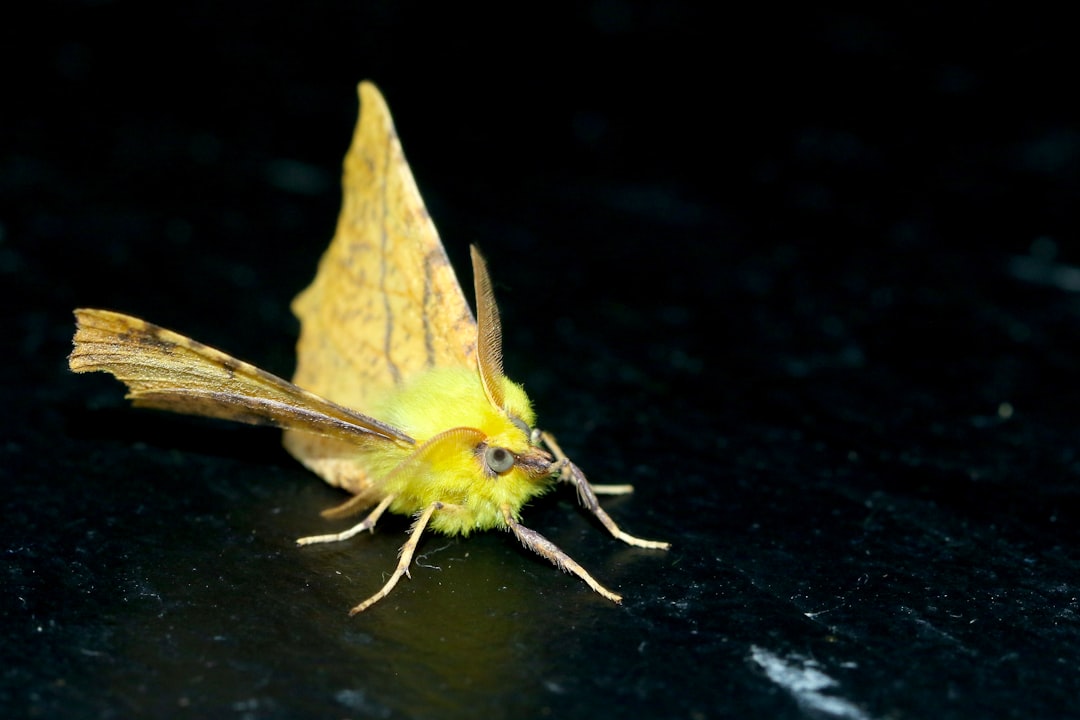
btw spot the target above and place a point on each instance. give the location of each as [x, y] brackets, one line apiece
[367, 523]
[549, 440]
[612, 489]
[571, 473]
[547, 549]
[404, 558]
[352, 506]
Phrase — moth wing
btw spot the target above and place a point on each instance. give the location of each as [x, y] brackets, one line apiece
[169, 371]
[385, 303]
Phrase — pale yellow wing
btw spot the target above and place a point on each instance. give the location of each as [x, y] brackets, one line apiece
[385, 302]
[169, 371]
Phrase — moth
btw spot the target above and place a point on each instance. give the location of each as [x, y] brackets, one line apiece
[399, 396]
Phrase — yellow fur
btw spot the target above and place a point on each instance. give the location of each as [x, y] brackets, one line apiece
[451, 471]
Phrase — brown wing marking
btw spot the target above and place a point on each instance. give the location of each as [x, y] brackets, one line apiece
[169, 371]
[385, 302]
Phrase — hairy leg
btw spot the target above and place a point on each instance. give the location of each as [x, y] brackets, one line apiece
[367, 523]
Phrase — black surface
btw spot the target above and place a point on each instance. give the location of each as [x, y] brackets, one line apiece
[809, 281]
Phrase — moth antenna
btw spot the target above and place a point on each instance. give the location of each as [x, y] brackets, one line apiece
[488, 332]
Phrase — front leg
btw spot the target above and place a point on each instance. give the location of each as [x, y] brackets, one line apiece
[547, 549]
[571, 473]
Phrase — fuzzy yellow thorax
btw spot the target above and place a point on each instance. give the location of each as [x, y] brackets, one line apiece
[452, 471]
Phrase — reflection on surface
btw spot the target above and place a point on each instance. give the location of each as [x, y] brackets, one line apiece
[230, 614]
[466, 634]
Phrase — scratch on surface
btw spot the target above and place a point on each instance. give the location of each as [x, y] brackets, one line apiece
[420, 558]
[802, 678]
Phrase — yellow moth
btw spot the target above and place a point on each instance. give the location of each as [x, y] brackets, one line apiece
[399, 395]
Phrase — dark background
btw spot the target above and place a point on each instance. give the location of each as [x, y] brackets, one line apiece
[808, 279]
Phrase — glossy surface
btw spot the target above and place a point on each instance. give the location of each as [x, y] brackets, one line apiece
[827, 330]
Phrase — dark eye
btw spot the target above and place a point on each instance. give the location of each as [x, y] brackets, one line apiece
[498, 459]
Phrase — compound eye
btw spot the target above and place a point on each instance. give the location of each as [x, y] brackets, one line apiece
[498, 459]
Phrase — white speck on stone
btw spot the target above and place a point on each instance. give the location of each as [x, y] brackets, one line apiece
[803, 679]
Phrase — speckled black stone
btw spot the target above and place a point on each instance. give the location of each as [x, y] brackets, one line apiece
[810, 281]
